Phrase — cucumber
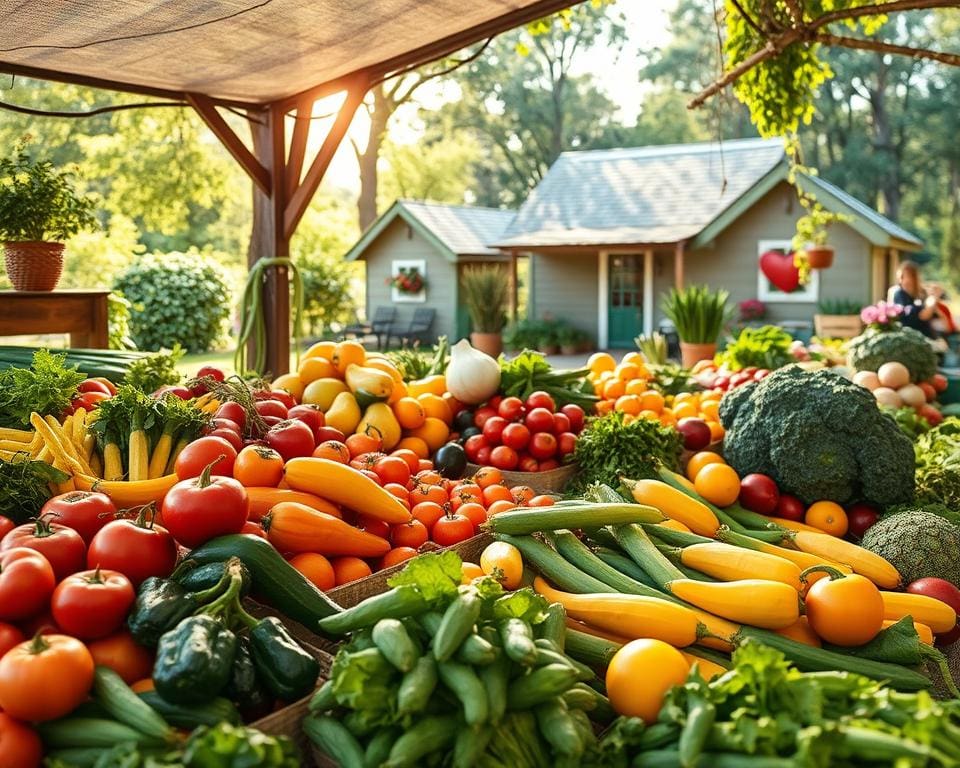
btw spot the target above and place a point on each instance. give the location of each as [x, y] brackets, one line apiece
[204, 577]
[590, 649]
[558, 728]
[417, 686]
[470, 745]
[431, 621]
[334, 740]
[218, 710]
[517, 639]
[126, 707]
[538, 686]
[554, 626]
[468, 689]
[457, 623]
[378, 748]
[431, 734]
[323, 698]
[280, 584]
[527, 520]
[553, 567]
[547, 654]
[496, 679]
[91, 732]
[396, 645]
[476, 651]
[578, 554]
[625, 565]
[581, 696]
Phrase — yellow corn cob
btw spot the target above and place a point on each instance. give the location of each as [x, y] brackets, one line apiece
[20, 435]
[96, 464]
[161, 455]
[89, 447]
[138, 464]
[73, 456]
[112, 462]
[171, 464]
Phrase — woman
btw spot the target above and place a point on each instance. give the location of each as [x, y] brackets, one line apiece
[918, 309]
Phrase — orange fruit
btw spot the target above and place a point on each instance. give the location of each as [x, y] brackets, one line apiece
[487, 476]
[601, 361]
[651, 400]
[634, 358]
[637, 386]
[683, 397]
[668, 418]
[435, 406]
[415, 444]
[347, 569]
[716, 431]
[828, 516]
[289, 382]
[718, 483]
[434, 432]
[316, 568]
[628, 404]
[614, 388]
[684, 410]
[604, 407]
[347, 353]
[648, 414]
[699, 460]
[313, 368]
[626, 371]
[710, 410]
[469, 572]
[324, 349]
[409, 412]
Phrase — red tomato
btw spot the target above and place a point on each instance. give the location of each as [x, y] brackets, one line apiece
[20, 746]
[9, 637]
[527, 463]
[945, 592]
[62, 547]
[543, 445]
[400, 491]
[548, 464]
[494, 402]
[473, 445]
[6, 525]
[330, 433]
[233, 411]
[230, 436]
[291, 439]
[89, 400]
[364, 442]
[939, 382]
[121, 653]
[427, 512]
[515, 436]
[493, 429]
[92, 385]
[576, 415]
[413, 534]
[511, 408]
[561, 423]
[309, 415]
[540, 399]
[271, 407]
[111, 387]
[136, 548]
[278, 394]
[481, 415]
[92, 604]
[540, 420]
[372, 475]
[931, 413]
[759, 493]
[483, 455]
[475, 513]
[790, 508]
[198, 509]
[374, 526]
[202, 453]
[212, 371]
[503, 457]
[392, 469]
[219, 422]
[566, 443]
[452, 529]
[412, 460]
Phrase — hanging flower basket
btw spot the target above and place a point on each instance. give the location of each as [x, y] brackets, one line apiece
[408, 280]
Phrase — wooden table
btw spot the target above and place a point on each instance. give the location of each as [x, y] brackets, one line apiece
[81, 313]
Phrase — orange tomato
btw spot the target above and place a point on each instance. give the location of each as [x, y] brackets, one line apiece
[699, 460]
[258, 465]
[470, 571]
[668, 418]
[504, 562]
[415, 444]
[716, 431]
[718, 483]
[844, 609]
[143, 685]
[488, 476]
[316, 568]
[123, 655]
[649, 415]
[397, 555]
[542, 500]
[500, 506]
[651, 400]
[522, 494]
[348, 353]
[409, 412]
[659, 665]
[626, 371]
[494, 493]
[333, 450]
[59, 666]
[828, 516]
[347, 569]
[435, 407]
[430, 493]
[604, 407]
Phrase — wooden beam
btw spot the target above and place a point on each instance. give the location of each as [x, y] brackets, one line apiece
[678, 265]
[298, 145]
[648, 296]
[207, 110]
[305, 191]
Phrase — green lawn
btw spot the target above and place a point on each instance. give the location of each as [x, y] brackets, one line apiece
[190, 364]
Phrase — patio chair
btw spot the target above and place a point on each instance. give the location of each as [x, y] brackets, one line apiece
[417, 330]
[383, 319]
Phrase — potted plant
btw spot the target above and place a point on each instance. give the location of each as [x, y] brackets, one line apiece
[699, 315]
[571, 339]
[837, 319]
[752, 310]
[485, 292]
[39, 209]
[549, 342]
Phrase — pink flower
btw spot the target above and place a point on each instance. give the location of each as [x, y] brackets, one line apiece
[869, 314]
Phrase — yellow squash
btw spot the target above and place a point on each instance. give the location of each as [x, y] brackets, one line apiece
[708, 669]
[372, 382]
[864, 562]
[378, 419]
[758, 602]
[729, 563]
[923, 631]
[125, 493]
[937, 615]
[344, 414]
[676, 505]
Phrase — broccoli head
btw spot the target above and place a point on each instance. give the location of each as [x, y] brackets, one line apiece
[819, 436]
[873, 348]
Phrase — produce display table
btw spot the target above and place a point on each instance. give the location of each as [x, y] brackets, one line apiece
[81, 313]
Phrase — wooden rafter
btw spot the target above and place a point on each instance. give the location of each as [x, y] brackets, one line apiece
[298, 145]
[207, 109]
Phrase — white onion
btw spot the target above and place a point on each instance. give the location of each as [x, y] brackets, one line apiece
[893, 375]
[472, 376]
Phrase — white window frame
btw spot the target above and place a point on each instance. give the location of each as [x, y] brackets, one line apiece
[805, 294]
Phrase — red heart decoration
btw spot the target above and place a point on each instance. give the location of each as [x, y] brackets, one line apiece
[780, 270]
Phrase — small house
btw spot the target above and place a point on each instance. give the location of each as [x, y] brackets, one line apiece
[607, 232]
[434, 241]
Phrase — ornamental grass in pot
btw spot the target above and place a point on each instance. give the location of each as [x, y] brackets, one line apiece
[699, 315]
[39, 209]
[485, 292]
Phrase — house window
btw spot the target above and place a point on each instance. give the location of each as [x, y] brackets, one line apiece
[415, 269]
[778, 280]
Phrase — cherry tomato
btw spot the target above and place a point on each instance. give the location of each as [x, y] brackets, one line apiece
[271, 407]
[198, 509]
[20, 746]
[230, 436]
[258, 465]
[566, 443]
[233, 411]
[475, 513]
[374, 526]
[543, 445]
[45, 678]
[541, 501]
[427, 512]
[412, 460]
[561, 423]
[547, 464]
[92, 385]
[473, 445]
[522, 494]
[203, 452]
[515, 436]
[527, 463]
[540, 420]
[334, 450]
[206, 371]
[372, 475]
[9, 637]
[451, 529]
[6, 525]
[540, 399]
[330, 433]
[503, 457]
[576, 415]
[364, 442]
[311, 416]
[483, 455]
[291, 439]
[400, 491]
[281, 395]
[397, 555]
[136, 548]
[413, 534]
[511, 408]
[63, 547]
[392, 469]
[493, 429]
[481, 415]
[219, 422]
[92, 604]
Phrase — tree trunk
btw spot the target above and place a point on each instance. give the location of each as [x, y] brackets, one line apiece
[883, 140]
[379, 115]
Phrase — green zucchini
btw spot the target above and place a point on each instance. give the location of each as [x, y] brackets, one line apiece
[280, 584]
[517, 638]
[540, 685]
[527, 520]
[578, 554]
[554, 626]
[218, 710]
[378, 748]
[334, 740]
[91, 732]
[468, 689]
[126, 707]
[417, 686]
[431, 734]
[395, 643]
[476, 651]
[553, 567]
[558, 728]
[457, 623]
[496, 678]
[591, 650]
[470, 745]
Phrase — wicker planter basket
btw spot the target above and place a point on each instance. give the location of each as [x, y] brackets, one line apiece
[34, 265]
[837, 326]
[551, 481]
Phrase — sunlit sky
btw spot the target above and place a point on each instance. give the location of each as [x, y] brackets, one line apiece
[615, 70]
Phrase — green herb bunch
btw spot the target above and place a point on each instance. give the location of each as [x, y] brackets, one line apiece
[529, 372]
[45, 387]
[765, 347]
[154, 371]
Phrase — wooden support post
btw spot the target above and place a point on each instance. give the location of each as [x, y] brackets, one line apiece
[678, 265]
[648, 291]
[298, 145]
[513, 286]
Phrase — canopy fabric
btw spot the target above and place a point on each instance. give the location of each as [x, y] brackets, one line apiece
[243, 50]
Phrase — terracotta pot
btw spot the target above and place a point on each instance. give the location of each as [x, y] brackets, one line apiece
[34, 265]
[490, 343]
[691, 354]
[819, 256]
[569, 349]
[550, 349]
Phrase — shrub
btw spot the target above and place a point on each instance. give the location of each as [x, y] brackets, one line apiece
[176, 298]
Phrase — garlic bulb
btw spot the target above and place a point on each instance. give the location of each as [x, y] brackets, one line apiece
[472, 376]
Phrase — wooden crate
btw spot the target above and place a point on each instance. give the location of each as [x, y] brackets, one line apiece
[837, 326]
[551, 481]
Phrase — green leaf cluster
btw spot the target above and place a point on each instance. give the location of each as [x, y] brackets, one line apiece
[697, 312]
[24, 487]
[485, 292]
[530, 372]
[157, 370]
[764, 347]
[45, 387]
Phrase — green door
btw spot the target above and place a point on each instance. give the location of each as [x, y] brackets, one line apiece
[625, 311]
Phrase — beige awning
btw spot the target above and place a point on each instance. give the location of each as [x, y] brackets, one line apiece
[241, 50]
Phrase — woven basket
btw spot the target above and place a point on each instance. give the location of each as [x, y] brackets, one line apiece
[551, 481]
[34, 265]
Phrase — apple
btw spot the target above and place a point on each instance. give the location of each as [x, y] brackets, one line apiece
[860, 517]
[759, 493]
[790, 508]
[695, 433]
[945, 592]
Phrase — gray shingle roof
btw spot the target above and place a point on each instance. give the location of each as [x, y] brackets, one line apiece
[465, 230]
[658, 194]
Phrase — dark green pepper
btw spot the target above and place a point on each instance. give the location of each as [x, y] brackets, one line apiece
[285, 668]
[161, 604]
[244, 687]
[203, 577]
[194, 660]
